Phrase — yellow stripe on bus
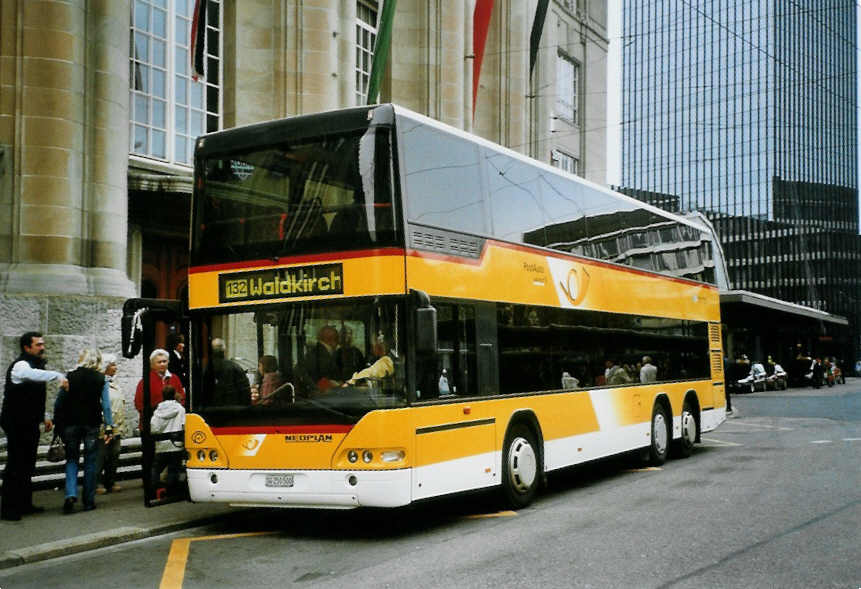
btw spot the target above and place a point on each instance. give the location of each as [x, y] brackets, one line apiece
[537, 279]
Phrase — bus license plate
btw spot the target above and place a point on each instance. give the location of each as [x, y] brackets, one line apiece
[279, 480]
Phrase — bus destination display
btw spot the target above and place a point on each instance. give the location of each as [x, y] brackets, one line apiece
[299, 281]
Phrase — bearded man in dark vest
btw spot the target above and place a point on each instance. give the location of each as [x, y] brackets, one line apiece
[23, 410]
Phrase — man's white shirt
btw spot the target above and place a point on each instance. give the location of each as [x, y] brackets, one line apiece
[23, 372]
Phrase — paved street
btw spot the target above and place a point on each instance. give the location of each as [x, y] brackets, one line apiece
[771, 499]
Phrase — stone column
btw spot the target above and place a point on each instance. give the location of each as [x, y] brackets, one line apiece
[451, 63]
[64, 116]
[106, 145]
[428, 58]
[251, 61]
[413, 64]
[319, 56]
[43, 89]
[63, 205]
[346, 36]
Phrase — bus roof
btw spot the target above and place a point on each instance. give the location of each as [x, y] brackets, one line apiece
[407, 113]
[357, 117]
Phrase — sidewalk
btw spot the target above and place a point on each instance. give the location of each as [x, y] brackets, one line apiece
[118, 517]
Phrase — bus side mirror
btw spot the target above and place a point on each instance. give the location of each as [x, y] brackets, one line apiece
[426, 330]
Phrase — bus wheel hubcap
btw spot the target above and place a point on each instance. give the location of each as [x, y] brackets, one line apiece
[689, 428]
[522, 464]
[659, 433]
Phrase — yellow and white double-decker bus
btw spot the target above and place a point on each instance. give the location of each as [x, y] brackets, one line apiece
[384, 309]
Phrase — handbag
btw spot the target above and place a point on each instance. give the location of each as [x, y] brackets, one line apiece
[56, 451]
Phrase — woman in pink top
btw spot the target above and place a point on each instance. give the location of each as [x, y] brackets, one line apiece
[269, 383]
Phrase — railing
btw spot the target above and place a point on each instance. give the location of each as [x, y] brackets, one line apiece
[51, 475]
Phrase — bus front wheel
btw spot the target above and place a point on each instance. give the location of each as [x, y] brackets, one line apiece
[660, 435]
[520, 467]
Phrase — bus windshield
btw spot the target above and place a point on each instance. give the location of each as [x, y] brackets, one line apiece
[292, 364]
[299, 196]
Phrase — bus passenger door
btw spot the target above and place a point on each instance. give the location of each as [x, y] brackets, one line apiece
[142, 322]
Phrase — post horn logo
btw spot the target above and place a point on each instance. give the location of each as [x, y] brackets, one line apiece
[250, 443]
[198, 437]
[575, 285]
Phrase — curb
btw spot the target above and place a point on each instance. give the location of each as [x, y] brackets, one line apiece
[49, 550]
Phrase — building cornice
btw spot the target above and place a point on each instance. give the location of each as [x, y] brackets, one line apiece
[150, 175]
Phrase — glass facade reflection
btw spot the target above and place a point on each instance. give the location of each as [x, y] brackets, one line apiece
[746, 110]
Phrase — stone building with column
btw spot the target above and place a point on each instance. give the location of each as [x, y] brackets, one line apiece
[99, 111]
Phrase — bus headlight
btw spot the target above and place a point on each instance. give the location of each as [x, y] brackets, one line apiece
[367, 455]
[352, 456]
[213, 455]
[392, 455]
[201, 455]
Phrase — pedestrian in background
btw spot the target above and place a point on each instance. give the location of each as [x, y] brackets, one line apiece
[159, 377]
[818, 371]
[178, 361]
[80, 411]
[109, 452]
[23, 410]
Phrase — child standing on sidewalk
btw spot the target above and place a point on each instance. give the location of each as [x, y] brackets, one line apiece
[168, 418]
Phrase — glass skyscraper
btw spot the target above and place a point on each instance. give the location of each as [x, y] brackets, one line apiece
[746, 110]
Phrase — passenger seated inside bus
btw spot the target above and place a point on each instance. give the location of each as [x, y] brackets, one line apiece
[383, 366]
[269, 385]
[225, 379]
[320, 364]
[350, 359]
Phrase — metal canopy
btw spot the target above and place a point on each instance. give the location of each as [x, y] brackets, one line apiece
[744, 297]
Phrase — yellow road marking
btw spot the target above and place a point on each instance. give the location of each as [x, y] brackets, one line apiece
[174, 569]
[644, 469]
[486, 515]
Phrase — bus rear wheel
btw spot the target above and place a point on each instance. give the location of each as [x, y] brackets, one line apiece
[660, 435]
[520, 467]
[684, 446]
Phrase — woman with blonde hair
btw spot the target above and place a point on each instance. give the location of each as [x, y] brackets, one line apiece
[109, 454]
[80, 412]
